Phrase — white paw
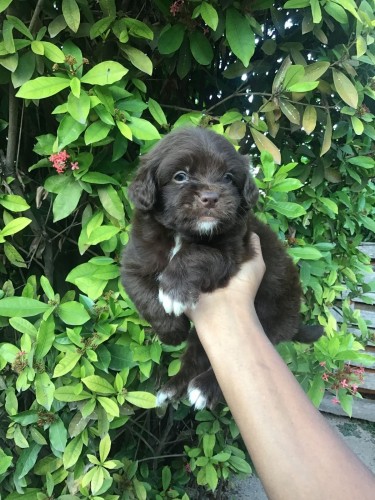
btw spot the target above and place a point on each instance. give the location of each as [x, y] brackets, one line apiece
[197, 398]
[163, 397]
[172, 305]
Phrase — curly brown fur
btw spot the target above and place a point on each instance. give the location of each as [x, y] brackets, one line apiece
[193, 196]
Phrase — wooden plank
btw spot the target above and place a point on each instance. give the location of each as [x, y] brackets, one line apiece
[363, 409]
[368, 249]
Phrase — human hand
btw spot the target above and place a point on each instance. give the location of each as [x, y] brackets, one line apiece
[241, 289]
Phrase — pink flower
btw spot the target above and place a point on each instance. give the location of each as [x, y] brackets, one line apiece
[176, 7]
[344, 383]
[74, 165]
[322, 363]
[59, 161]
[354, 388]
[325, 377]
[335, 401]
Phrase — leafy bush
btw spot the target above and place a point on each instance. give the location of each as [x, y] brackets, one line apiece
[87, 87]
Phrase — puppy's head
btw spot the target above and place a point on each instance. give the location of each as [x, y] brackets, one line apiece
[194, 182]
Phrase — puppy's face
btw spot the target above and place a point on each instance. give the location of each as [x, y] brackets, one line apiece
[194, 182]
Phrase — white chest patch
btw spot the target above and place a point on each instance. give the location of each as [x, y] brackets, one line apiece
[177, 246]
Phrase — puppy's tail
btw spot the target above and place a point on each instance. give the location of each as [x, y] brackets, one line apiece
[308, 333]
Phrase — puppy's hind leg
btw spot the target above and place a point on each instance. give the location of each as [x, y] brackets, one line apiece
[193, 362]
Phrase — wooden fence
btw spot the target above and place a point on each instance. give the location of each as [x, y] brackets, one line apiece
[362, 408]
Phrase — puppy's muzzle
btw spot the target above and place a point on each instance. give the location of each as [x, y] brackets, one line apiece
[209, 198]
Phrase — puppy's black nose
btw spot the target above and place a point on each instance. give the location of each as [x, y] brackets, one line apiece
[209, 198]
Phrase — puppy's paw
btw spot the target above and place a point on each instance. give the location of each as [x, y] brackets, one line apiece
[164, 396]
[173, 303]
[197, 398]
[204, 391]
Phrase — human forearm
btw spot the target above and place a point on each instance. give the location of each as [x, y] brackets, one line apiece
[295, 452]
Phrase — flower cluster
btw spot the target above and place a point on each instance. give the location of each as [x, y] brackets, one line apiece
[176, 7]
[349, 377]
[60, 162]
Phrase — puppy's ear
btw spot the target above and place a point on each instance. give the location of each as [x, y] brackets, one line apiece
[250, 190]
[143, 189]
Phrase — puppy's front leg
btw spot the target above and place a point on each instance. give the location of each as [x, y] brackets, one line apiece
[143, 291]
[191, 271]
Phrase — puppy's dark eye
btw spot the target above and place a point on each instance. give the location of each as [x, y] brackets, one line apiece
[228, 177]
[181, 177]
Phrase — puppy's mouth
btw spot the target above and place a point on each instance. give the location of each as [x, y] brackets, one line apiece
[206, 224]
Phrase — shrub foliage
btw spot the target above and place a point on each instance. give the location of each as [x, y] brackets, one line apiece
[86, 87]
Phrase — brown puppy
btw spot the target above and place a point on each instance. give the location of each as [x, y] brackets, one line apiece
[193, 194]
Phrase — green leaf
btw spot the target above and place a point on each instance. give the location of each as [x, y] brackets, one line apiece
[66, 201]
[264, 144]
[53, 53]
[358, 125]
[239, 35]
[98, 178]
[309, 119]
[14, 226]
[345, 88]
[166, 477]
[24, 326]
[330, 204]
[315, 70]
[171, 39]
[174, 367]
[102, 233]
[79, 107]
[5, 462]
[44, 390]
[156, 112]
[45, 338]
[105, 73]
[141, 399]
[316, 11]
[98, 385]
[303, 87]
[100, 26]
[200, 48]
[111, 202]
[4, 4]
[337, 12]
[138, 29]
[305, 253]
[240, 464]
[125, 130]
[71, 14]
[14, 203]
[14, 257]
[96, 132]
[362, 161]
[286, 185]
[73, 313]
[104, 447]
[109, 406]
[143, 129]
[21, 307]
[293, 75]
[44, 86]
[289, 209]
[56, 26]
[69, 394]
[58, 435]
[25, 69]
[72, 452]
[66, 364]
[290, 111]
[211, 476]
[209, 15]
[138, 58]
[327, 139]
[68, 131]
[20, 26]
[26, 460]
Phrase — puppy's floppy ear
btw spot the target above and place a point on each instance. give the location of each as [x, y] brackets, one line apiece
[143, 189]
[250, 190]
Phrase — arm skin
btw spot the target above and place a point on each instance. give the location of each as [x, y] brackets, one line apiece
[296, 454]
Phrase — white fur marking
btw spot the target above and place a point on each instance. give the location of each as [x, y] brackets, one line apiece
[171, 305]
[162, 397]
[206, 226]
[197, 398]
[177, 246]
